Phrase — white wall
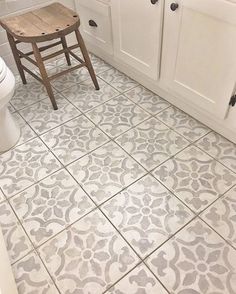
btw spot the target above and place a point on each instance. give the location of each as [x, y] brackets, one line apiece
[11, 7]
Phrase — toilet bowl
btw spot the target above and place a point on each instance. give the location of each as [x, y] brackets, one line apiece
[9, 130]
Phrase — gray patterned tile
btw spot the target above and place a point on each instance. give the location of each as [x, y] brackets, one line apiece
[89, 257]
[26, 95]
[26, 132]
[151, 143]
[105, 171]
[17, 243]
[31, 276]
[24, 165]
[221, 216]
[140, 280]
[2, 198]
[50, 206]
[148, 100]
[71, 79]
[85, 97]
[195, 178]
[118, 80]
[146, 214]
[117, 115]
[74, 139]
[11, 108]
[182, 123]
[42, 118]
[219, 148]
[196, 261]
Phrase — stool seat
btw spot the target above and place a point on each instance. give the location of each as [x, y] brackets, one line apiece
[43, 24]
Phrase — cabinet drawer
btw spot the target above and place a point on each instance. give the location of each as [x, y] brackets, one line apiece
[96, 23]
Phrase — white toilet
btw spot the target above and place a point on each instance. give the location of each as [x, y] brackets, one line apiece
[9, 131]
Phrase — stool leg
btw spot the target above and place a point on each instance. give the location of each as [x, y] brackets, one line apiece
[87, 58]
[44, 75]
[64, 45]
[16, 57]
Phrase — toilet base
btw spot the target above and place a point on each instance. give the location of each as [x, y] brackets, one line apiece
[9, 130]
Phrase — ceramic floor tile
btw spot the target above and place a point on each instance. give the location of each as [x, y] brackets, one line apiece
[89, 257]
[2, 198]
[24, 165]
[146, 214]
[140, 280]
[195, 178]
[42, 118]
[117, 115]
[105, 171]
[31, 276]
[28, 94]
[99, 65]
[151, 143]
[26, 132]
[221, 216]
[196, 261]
[17, 243]
[219, 148]
[149, 101]
[71, 79]
[85, 97]
[50, 206]
[118, 80]
[11, 108]
[74, 139]
[184, 124]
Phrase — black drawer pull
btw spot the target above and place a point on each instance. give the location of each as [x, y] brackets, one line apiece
[92, 23]
[154, 1]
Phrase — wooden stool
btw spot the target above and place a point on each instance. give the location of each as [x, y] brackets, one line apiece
[45, 24]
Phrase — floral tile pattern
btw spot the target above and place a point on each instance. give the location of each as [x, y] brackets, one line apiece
[85, 97]
[118, 80]
[32, 277]
[117, 115]
[89, 257]
[74, 139]
[70, 79]
[26, 95]
[11, 108]
[26, 132]
[182, 123]
[147, 100]
[105, 171]
[221, 216]
[43, 118]
[196, 261]
[25, 165]
[51, 205]
[140, 280]
[220, 148]
[17, 242]
[2, 198]
[151, 143]
[195, 178]
[146, 214]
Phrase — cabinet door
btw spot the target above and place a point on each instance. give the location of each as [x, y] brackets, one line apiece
[199, 52]
[137, 34]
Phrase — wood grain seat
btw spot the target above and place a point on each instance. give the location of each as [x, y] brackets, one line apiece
[54, 21]
[42, 24]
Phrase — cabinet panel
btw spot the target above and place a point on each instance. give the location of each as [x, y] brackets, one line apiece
[137, 34]
[199, 57]
[97, 32]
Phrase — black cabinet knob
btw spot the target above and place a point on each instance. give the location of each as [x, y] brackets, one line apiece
[154, 1]
[174, 6]
[92, 23]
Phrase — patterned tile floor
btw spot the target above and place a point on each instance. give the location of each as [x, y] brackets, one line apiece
[116, 192]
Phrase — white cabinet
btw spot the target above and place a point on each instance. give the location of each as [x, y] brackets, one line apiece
[199, 52]
[137, 26]
[96, 23]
